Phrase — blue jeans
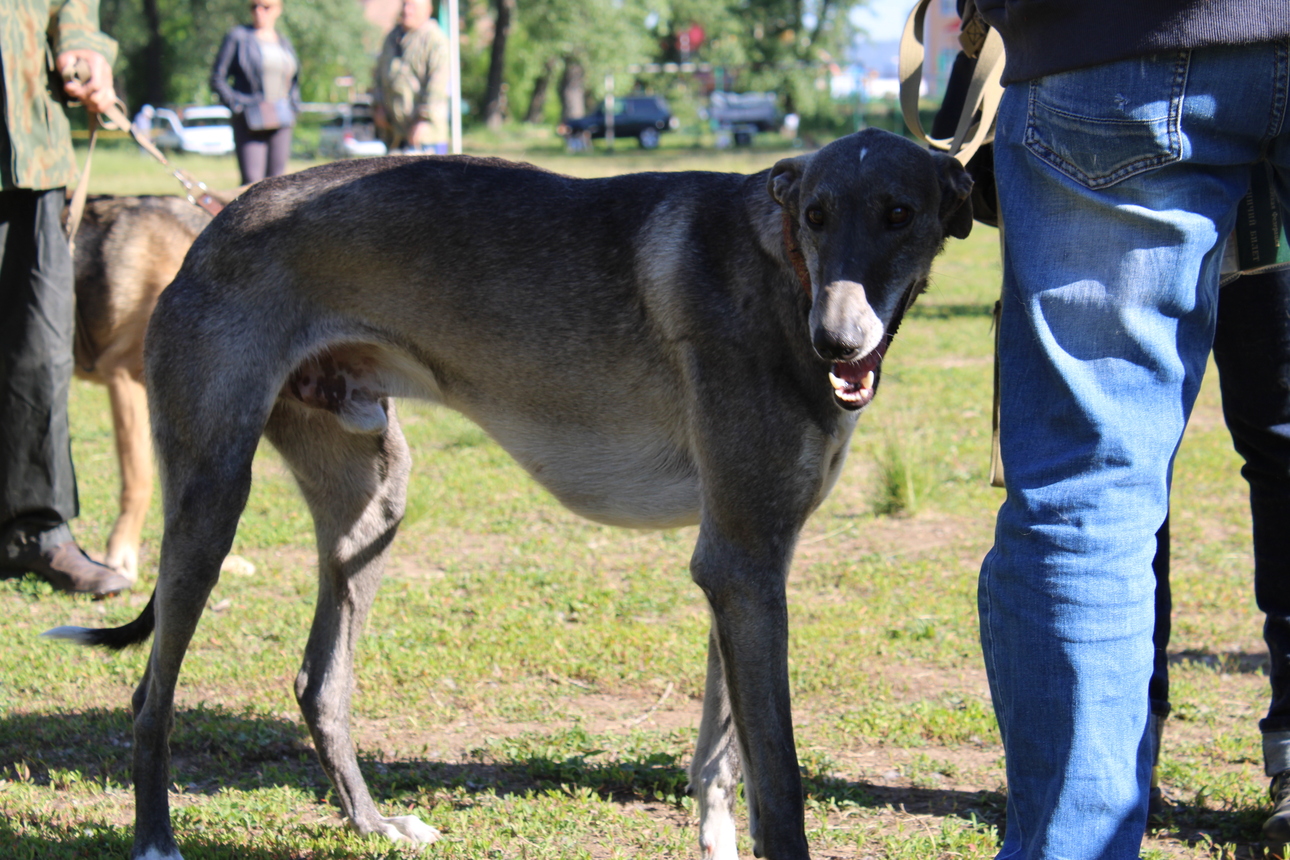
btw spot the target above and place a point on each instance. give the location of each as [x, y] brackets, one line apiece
[1117, 185]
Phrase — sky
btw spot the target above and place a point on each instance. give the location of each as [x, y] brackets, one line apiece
[884, 19]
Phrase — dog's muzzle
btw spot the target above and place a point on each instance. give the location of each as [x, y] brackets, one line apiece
[854, 382]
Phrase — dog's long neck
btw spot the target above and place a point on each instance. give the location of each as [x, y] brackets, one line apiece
[775, 230]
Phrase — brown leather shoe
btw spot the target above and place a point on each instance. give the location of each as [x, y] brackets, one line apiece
[68, 568]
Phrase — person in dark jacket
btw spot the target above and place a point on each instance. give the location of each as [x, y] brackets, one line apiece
[256, 74]
[1126, 138]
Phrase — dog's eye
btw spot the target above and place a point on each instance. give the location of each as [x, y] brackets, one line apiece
[815, 216]
[898, 216]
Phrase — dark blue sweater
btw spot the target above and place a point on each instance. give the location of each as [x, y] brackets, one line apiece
[1047, 36]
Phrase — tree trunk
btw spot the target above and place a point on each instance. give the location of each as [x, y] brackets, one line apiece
[537, 102]
[573, 89]
[494, 108]
[154, 84]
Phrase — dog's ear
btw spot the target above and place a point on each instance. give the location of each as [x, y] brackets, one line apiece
[785, 180]
[956, 191]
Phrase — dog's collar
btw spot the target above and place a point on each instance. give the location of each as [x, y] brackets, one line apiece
[795, 255]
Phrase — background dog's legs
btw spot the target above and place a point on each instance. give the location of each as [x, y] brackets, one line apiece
[355, 485]
[745, 590]
[134, 454]
[714, 773]
[207, 480]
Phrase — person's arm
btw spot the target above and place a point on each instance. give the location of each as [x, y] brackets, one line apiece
[77, 38]
[232, 99]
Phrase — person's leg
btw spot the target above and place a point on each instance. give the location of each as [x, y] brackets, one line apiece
[1112, 224]
[1252, 352]
[278, 151]
[37, 324]
[252, 151]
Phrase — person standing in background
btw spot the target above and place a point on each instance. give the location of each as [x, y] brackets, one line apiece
[40, 42]
[410, 93]
[264, 92]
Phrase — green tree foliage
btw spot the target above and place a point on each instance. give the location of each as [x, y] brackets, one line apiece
[331, 37]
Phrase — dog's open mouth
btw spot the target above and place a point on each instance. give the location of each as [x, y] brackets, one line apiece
[854, 381]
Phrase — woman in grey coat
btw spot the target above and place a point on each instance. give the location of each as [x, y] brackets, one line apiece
[256, 74]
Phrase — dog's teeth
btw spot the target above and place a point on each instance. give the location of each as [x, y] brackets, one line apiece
[837, 382]
[867, 382]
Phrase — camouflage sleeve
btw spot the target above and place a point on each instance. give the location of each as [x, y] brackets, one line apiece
[77, 28]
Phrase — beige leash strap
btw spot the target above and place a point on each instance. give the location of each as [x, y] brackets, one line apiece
[76, 206]
[976, 122]
[975, 129]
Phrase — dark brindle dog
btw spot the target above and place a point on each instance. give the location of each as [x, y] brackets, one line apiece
[655, 349]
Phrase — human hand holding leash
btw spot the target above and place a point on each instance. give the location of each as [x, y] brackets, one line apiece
[87, 77]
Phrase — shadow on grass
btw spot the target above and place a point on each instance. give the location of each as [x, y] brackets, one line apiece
[1233, 662]
[77, 842]
[218, 750]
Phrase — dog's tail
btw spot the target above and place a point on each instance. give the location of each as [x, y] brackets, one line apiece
[113, 638]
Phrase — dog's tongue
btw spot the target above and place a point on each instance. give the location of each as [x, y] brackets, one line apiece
[855, 372]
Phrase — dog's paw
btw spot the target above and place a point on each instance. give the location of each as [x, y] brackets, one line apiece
[406, 828]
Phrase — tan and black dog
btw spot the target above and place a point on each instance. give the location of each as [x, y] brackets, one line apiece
[656, 349]
[128, 249]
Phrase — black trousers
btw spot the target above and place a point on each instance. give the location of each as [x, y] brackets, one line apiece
[37, 326]
[1252, 353]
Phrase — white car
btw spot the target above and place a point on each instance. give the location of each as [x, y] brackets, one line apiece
[206, 130]
[350, 134]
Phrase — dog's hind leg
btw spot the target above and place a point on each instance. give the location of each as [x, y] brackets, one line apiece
[207, 477]
[714, 773]
[355, 484]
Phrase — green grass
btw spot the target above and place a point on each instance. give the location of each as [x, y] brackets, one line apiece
[529, 682]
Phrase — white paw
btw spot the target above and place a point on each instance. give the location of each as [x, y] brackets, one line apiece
[237, 566]
[124, 562]
[154, 854]
[717, 838]
[406, 828]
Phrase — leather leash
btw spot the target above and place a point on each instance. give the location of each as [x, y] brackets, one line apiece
[195, 191]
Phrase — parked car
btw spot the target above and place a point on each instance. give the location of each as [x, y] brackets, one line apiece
[744, 114]
[350, 134]
[641, 117]
[206, 130]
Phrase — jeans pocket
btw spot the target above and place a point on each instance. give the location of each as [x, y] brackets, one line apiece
[1101, 125]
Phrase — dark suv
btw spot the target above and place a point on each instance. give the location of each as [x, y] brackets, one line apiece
[641, 117]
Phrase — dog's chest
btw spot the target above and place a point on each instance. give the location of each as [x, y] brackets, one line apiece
[622, 476]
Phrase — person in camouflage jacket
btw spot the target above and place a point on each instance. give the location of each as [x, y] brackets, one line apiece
[410, 94]
[39, 39]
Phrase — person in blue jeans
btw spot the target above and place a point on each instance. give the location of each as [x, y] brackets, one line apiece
[1125, 140]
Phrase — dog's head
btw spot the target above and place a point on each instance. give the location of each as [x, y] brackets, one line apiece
[868, 213]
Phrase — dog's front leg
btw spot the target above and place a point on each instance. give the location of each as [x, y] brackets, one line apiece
[714, 773]
[746, 592]
[134, 456]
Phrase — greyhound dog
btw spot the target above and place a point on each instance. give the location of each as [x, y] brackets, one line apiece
[655, 349]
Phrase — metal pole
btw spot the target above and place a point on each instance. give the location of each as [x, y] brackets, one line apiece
[609, 112]
[454, 78]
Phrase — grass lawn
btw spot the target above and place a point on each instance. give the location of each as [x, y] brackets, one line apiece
[530, 682]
